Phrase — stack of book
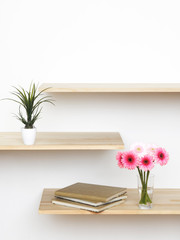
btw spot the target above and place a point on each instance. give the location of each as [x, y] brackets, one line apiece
[91, 197]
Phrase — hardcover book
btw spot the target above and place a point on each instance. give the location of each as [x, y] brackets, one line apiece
[67, 203]
[90, 192]
[94, 203]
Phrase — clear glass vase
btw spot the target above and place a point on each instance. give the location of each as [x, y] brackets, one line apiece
[145, 190]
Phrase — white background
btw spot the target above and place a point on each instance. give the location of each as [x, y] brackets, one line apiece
[88, 41]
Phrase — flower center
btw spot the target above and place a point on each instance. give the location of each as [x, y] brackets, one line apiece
[146, 161]
[130, 159]
[161, 155]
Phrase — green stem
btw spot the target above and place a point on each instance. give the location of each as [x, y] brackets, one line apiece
[144, 181]
[140, 174]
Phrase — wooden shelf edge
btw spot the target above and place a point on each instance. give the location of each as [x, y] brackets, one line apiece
[108, 212]
[111, 87]
[59, 148]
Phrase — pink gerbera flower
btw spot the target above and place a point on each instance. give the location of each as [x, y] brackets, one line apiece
[161, 156]
[119, 159]
[151, 148]
[146, 162]
[138, 148]
[130, 160]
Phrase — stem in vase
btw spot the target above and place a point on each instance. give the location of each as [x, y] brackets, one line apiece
[144, 182]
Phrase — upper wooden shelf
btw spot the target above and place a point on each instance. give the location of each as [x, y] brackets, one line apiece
[111, 87]
[64, 141]
[165, 201]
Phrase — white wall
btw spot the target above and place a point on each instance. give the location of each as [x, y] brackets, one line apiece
[88, 41]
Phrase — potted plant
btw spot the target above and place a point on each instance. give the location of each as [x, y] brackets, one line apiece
[30, 102]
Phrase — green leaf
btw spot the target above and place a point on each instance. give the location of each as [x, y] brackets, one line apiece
[31, 101]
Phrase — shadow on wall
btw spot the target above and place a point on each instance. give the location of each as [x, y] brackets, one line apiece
[113, 227]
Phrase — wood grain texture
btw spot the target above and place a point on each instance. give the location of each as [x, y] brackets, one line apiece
[64, 141]
[165, 201]
[110, 88]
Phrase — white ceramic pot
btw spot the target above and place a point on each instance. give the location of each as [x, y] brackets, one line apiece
[28, 135]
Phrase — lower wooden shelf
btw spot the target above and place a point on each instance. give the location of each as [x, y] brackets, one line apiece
[165, 202]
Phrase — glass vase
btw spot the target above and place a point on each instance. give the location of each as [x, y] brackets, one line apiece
[145, 190]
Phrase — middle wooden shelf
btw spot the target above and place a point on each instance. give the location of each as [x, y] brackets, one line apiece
[64, 141]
